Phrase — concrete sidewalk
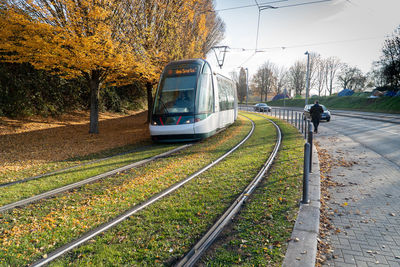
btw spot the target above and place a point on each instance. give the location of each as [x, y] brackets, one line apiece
[364, 206]
[302, 248]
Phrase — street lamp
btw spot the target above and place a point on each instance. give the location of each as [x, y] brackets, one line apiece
[307, 75]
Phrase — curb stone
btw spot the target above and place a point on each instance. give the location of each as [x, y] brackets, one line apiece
[302, 247]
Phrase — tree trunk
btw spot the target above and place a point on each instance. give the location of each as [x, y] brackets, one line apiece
[94, 102]
[149, 90]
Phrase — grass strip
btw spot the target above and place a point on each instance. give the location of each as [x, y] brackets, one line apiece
[164, 232]
[48, 224]
[39, 169]
[17, 192]
[258, 236]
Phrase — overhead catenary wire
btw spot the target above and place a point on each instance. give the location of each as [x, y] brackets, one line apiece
[283, 47]
[245, 6]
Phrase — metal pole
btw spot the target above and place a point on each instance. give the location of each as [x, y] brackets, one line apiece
[305, 129]
[307, 75]
[275, 112]
[279, 113]
[247, 86]
[310, 141]
[306, 173]
[302, 123]
[291, 118]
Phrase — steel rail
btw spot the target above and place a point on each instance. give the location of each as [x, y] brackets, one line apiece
[104, 227]
[205, 242]
[63, 170]
[88, 180]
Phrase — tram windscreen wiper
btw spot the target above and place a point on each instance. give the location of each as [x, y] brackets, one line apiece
[165, 108]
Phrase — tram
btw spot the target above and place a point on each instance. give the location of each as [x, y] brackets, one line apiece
[192, 102]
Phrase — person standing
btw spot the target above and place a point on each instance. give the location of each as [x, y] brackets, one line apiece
[315, 113]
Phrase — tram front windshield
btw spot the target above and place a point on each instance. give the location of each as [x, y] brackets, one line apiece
[177, 92]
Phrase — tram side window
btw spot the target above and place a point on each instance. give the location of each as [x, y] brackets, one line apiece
[205, 94]
[226, 94]
[222, 94]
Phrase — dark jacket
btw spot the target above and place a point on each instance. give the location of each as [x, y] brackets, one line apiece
[316, 111]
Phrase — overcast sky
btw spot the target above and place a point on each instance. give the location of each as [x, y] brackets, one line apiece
[352, 30]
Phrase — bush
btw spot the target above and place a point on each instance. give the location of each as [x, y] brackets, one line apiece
[25, 91]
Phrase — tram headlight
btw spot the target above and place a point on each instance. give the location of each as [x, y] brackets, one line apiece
[154, 123]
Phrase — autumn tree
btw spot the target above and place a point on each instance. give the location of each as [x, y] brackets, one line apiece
[281, 75]
[242, 85]
[297, 77]
[71, 38]
[351, 78]
[265, 80]
[314, 59]
[320, 76]
[176, 30]
[390, 60]
[332, 66]
[104, 41]
[376, 77]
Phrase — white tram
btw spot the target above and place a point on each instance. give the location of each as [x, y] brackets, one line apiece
[192, 102]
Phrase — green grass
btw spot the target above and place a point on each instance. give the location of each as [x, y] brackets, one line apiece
[356, 103]
[36, 229]
[20, 191]
[258, 236]
[165, 231]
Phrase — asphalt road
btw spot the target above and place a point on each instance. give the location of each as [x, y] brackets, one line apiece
[381, 137]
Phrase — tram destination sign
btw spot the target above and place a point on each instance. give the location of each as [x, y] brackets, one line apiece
[183, 70]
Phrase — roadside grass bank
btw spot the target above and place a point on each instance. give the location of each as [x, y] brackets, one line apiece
[162, 233]
[32, 231]
[383, 104]
[259, 234]
[27, 189]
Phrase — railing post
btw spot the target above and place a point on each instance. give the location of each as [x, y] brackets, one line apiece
[306, 173]
[302, 123]
[291, 118]
[310, 141]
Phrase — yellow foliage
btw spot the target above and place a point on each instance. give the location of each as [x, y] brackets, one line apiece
[121, 40]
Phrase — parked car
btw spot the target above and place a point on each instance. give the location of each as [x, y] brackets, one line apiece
[326, 115]
[262, 107]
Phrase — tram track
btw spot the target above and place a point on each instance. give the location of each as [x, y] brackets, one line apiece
[208, 239]
[106, 226]
[60, 171]
[92, 179]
